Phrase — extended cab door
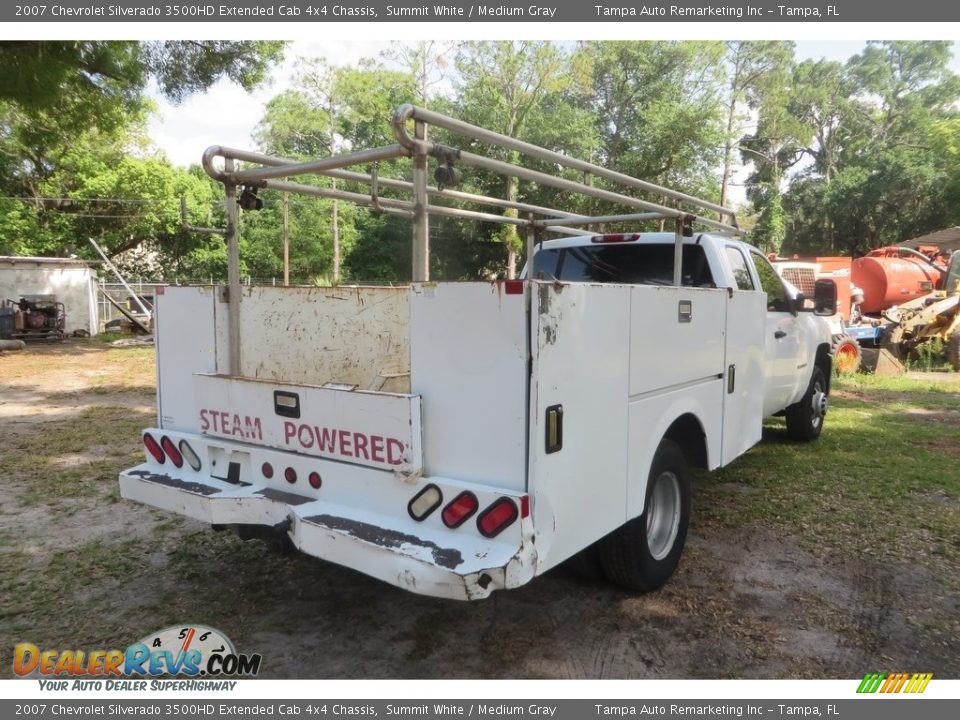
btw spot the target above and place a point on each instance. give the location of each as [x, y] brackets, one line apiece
[783, 341]
[745, 360]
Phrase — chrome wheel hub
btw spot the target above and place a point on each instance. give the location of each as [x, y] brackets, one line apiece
[663, 515]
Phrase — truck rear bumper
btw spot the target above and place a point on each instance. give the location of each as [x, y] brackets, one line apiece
[416, 557]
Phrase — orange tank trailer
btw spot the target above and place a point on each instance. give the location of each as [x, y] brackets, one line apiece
[888, 280]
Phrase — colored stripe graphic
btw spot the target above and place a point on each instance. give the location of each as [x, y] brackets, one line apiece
[894, 682]
[871, 682]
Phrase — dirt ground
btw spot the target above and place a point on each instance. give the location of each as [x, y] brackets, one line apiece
[82, 568]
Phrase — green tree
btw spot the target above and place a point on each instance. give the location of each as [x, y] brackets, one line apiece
[774, 148]
[43, 74]
[658, 111]
[330, 110]
[515, 88]
[74, 160]
[881, 172]
[754, 69]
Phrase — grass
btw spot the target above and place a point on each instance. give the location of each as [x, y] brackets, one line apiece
[76, 457]
[881, 483]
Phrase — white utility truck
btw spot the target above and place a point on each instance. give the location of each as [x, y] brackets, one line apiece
[458, 438]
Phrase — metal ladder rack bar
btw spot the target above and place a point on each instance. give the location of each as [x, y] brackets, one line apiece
[407, 112]
[418, 147]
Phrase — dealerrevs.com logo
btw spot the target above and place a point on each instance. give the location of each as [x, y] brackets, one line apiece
[190, 651]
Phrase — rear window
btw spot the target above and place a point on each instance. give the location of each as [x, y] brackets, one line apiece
[629, 264]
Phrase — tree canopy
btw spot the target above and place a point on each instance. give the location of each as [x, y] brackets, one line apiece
[836, 157]
[75, 161]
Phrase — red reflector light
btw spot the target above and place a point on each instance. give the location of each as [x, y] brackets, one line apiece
[525, 506]
[513, 287]
[615, 238]
[460, 509]
[315, 480]
[495, 518]
[171, 450]
[153, 448]
[290, 474]
[267, 470]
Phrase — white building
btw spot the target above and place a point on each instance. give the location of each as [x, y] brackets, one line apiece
[72, 281]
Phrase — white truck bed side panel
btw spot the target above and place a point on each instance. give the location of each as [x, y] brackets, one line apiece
[184, 335]
[669, 350]
[469, 364]
[374, 429]
[312, 336]
[651, 417]
[581, 342]
[743, 408]
[676, 364]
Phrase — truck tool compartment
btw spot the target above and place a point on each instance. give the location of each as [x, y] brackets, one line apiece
[458, 438]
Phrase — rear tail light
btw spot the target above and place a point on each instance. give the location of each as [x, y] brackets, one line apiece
[154, 448]
[193, 460]
[267, 470]
[425, 502]
[460, 509]
[315, 480]
[497, 517]
[171, 450]
[290, 474]
[615, 238]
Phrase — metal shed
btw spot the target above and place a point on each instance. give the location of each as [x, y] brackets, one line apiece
[72, 281]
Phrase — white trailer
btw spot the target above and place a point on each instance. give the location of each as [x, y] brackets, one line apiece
[458, 438]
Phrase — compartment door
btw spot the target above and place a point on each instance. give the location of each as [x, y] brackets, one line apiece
[581, 341]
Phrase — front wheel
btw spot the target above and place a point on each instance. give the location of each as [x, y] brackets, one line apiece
[805, 417]
[643, 553]
[847, 356]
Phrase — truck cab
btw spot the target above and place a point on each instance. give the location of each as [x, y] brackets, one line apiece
[792, 338]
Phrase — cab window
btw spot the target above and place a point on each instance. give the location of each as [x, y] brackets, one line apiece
[628, 264]
[777, 298]
[741, 273]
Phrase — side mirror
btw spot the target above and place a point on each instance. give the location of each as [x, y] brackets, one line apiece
[801, 303]
[825, 298]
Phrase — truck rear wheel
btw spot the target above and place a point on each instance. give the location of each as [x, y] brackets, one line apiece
[643, 553]
[805, 417]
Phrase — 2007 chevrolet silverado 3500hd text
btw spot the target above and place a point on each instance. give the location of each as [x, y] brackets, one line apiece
[458, 438]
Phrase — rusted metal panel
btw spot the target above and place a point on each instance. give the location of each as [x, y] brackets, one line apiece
[170, 481]
[387, 537]
[302, 335]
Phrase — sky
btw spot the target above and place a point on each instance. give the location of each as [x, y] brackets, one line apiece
[226, 114]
